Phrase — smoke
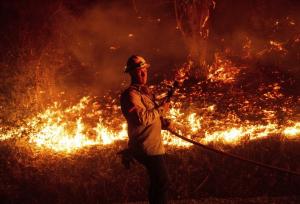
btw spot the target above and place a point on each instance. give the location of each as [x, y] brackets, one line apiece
[263, 35]
[235, 22]
[81, 47]
[99, 40]
[62, 50]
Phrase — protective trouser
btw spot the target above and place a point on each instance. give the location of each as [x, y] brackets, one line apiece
[158, 175]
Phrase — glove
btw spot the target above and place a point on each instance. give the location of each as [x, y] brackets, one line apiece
[126, 157]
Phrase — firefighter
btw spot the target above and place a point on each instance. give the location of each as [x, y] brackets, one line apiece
[145, 120]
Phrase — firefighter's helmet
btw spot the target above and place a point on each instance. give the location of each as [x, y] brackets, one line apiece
[136, 62]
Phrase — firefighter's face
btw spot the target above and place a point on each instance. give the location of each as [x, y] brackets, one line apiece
[140, 75]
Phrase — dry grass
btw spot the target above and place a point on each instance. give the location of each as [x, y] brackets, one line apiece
[95, 175]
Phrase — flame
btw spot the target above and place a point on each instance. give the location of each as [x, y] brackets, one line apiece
[278, 46]
[64, 128]
[67, 130]
[194, 122]
[169, 139]
[292, 131]
[7, 133]
[222, 70]
[227, 136]
[237, 135]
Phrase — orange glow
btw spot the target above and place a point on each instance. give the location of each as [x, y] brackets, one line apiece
[222, 70]
[66, 130]
[292, 131]
[277, 46]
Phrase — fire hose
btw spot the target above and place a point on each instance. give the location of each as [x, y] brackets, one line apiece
[127, 158]
[267, 166]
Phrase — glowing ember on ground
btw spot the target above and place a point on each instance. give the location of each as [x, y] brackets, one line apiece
[277, 46]
[69, 129]
[222, 70]
[219, 116]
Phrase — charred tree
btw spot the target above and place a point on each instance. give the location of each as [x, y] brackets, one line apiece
[192, 18]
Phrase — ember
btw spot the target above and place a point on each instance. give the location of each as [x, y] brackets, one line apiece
[237, 90]
[84, 124]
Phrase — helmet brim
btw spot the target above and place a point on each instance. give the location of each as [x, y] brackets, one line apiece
[128, 69]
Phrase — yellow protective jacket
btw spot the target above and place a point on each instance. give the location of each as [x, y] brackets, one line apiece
[143, 119]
